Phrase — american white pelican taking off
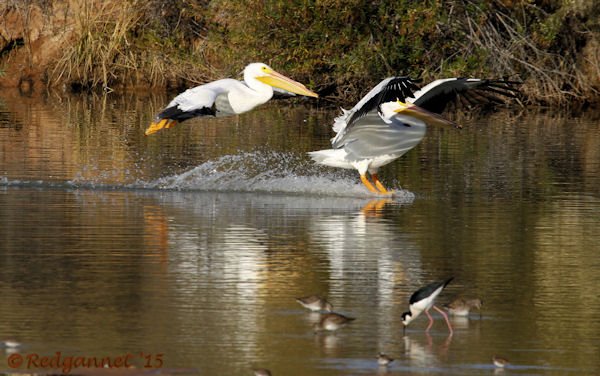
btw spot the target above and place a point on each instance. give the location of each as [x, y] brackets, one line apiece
[227, 96]
[381, 127]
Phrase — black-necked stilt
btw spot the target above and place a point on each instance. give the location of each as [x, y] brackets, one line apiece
[262, 372]
[383, 360]
[462, 306]
[422, 300]
[499, 361]
[332, 321]
[315, 303]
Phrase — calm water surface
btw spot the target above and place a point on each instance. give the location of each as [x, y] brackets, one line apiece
[194, 242]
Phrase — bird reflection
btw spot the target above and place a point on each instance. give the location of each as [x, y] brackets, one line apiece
[424, 356]
[156, 232]
[312, 318]
[366, 240]
[222, 248]
[374, 208]
[329, 342]
[460, 322]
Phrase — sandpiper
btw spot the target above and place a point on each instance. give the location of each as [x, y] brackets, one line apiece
[499, 361]
[332, 321]
[10, 344]
[462, 306]
[383, 360]
[315, 303]
[422, 300]
[262, 372]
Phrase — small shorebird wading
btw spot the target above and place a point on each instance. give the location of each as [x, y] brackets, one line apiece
[499, 361]
[10, 343]
[383, 360]
[462, 306]
[332, 322]
[315, 303]
[422, 300]
[262, 372]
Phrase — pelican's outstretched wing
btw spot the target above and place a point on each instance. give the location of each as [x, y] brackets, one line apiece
[470, 91]
[371, 137]
[198, 101]
[390, 89]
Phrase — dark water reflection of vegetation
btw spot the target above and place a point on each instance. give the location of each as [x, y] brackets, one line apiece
[98, 259]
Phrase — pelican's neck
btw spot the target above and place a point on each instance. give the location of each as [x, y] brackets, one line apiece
[262, 90]
[387, 111]
[246, 97]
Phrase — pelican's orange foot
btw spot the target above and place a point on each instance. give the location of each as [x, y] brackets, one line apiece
[157, 126]
[380, 186]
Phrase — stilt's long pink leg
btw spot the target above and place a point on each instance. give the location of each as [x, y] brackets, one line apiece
[445, 317]
[430, 320]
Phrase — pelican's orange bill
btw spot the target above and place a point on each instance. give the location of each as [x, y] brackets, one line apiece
[280, 81]
[426, 116]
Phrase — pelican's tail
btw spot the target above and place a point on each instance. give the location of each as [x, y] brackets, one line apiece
[159, 124]
[331, 157]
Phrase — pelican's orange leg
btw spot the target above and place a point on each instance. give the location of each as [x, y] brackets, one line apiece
[368, 184]
[379, 185]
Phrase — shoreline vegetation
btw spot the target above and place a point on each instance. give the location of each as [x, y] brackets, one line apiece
[339, 48]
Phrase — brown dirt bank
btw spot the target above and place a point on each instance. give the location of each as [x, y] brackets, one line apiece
[339, 48]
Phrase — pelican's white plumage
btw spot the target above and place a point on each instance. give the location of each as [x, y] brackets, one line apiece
[381, 128]
[227, 96]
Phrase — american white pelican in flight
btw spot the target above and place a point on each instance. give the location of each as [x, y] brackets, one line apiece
[227, 96]
[392, 118]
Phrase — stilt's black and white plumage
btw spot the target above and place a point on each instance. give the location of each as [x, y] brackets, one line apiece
[227, 96]
[392, 118]
[423, 300]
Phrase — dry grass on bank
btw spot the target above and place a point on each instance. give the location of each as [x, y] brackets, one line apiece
[338, 47]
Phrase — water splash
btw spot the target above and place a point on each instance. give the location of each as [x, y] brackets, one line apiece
[249, 172]
[267, 171]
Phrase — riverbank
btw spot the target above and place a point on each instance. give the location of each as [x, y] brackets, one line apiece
[338, 48]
